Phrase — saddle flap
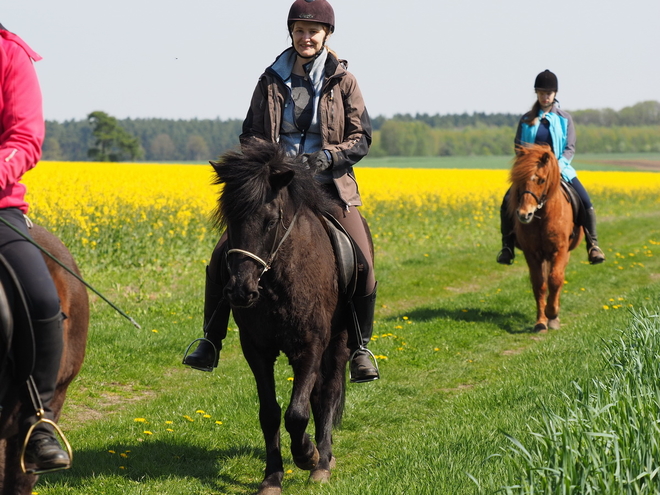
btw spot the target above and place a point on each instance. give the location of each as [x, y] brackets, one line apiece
[345, 255]
[576, 203]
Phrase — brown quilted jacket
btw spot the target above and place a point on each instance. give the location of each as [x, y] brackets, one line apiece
[345, 123]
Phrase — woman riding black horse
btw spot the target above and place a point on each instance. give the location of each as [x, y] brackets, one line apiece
[309, 103]
[22, 133]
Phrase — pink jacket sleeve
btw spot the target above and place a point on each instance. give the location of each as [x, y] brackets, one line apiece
[22, 127]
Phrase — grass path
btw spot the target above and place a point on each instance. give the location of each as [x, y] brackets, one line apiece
[462, 365]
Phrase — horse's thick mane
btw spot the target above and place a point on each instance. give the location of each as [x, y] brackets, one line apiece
[245, 175]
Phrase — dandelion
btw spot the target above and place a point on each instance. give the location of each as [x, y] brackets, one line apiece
[140, 420]
[147, 432]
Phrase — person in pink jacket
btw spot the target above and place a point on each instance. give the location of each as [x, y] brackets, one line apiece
[22, 130]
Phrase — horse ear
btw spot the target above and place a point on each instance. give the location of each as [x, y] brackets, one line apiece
[279, 180]
[215, 165]
[545, 158]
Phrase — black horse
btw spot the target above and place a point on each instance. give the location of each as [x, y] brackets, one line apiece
[284, 293]
[17, 355]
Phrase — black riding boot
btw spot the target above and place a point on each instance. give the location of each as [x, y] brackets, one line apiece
[362, 367]
[595, 253]
[216, 319]
[506, 254]
[43, 449]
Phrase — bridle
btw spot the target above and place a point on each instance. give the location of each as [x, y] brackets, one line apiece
[273, 250]
[540, 202]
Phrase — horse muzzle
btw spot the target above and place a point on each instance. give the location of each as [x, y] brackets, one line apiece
[525, 217]
[240, 295]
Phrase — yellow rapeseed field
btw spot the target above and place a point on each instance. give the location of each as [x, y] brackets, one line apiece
[175, 200]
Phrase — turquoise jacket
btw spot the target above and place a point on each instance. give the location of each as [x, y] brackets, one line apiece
[563, 137]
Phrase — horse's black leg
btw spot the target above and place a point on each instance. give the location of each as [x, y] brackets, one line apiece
[270, 413]
[296, 418]
[328, 404]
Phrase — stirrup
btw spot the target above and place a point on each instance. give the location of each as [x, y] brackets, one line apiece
[596, 260]
[200, 368]
[59, 432]
[502, 252]
[373, 360]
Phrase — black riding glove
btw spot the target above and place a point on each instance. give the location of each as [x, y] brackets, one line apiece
[318, 161]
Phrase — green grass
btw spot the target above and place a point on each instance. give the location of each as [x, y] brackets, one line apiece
[462, 367]
[591, 161]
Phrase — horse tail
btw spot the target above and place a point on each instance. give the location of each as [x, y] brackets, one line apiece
[341, 403]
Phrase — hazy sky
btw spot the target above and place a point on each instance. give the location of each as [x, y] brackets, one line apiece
[202, 58]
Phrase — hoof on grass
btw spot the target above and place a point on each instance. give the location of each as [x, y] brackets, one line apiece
[553, 324]
[319, 476]
[308, 463]
[540, 328]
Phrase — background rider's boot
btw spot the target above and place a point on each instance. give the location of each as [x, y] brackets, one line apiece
[362, 368]
[216, 319]
[506, 254]
[43, 449]
[594, 252]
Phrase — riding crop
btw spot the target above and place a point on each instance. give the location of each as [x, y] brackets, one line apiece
[31, 241]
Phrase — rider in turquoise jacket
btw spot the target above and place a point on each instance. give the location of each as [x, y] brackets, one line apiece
[546, 123]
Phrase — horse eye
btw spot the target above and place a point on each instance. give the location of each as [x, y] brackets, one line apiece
[541, 181]
[271, 224]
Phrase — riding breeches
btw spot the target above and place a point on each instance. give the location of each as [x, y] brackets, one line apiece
[28, 263]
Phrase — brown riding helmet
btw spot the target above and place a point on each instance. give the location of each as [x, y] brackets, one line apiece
[312, 10]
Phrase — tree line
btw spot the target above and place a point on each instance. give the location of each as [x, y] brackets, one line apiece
[104, 138]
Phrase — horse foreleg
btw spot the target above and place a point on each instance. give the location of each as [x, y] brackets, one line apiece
[14, 481]
[555, 286]
[296, 418]
[269, 418]
[539, 287]
[328, 405]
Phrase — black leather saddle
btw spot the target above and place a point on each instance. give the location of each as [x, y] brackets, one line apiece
[576, 203]
[345, 255]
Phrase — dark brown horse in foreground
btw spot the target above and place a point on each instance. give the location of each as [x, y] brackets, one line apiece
[283, 290]
[545, 229]
[74, 302]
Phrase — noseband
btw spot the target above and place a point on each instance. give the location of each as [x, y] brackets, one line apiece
[540, 202]
[274, 249]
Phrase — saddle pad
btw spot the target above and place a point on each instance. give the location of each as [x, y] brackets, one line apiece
[345, 254]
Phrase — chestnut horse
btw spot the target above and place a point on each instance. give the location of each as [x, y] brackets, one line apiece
[75, 305]
[544, 228]
[283, 291]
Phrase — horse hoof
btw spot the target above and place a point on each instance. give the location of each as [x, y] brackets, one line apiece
[308, 463]
[333, 462]
[554, 324]
[319, 476]
[540, 327]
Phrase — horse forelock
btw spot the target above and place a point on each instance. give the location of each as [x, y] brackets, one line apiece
[245, 176]
[527, 164]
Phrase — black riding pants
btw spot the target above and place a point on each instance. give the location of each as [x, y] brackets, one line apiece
[28, 263]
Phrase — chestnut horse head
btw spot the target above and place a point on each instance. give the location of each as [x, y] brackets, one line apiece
[534, 177]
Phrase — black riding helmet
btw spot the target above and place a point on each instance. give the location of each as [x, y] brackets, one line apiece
[546, 81]
[311, 10]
